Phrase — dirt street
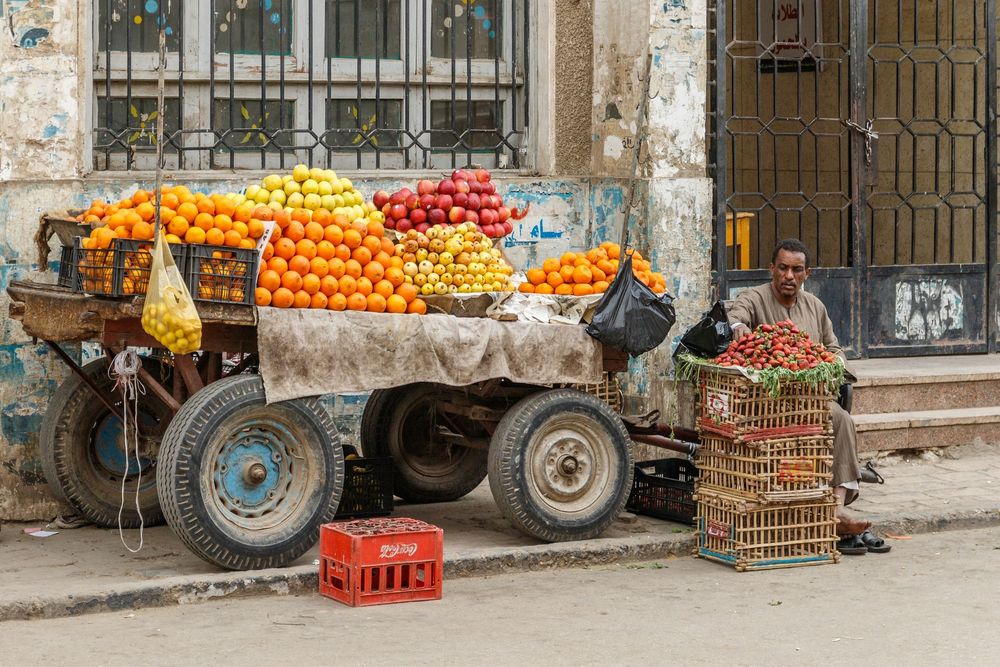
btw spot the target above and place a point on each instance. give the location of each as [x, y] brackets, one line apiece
[932, 601]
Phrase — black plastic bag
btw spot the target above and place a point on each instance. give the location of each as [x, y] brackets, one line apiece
[630, 317]
[710, 337]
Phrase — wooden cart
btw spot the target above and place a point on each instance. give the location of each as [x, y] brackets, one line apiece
[246, 485]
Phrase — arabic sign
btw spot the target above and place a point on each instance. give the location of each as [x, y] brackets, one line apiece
[788, 28]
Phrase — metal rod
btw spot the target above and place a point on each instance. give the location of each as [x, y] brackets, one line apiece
[689, 448]
[87, 380]
[992, 268]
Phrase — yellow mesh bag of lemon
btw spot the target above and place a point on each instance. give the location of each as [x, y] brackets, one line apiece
[169, 314]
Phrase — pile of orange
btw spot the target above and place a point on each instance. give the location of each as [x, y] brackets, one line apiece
[315, 259]
[587, 273]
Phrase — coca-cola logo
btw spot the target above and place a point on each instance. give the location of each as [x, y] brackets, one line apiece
[393, 550]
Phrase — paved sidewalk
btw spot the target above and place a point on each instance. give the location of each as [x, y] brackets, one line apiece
[88, 570]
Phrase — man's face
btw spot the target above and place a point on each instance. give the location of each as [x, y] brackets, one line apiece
[788, 272]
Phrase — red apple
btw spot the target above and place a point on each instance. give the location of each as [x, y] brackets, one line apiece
[460, 175]
[397, 198]
[398, 211]
[489, 188]
[456, 215]
[475, 187]
[462, 186]
[422, 227]
[473, 201]
[472, 216]
[508, 227]
[427, 201]
[380, 198]
[417, 216]
[488, 216]
[461, 199]
[490, 231]
[503, 213]
[445, 202]
[437, 216]
[386, 208]
[482, 175]
[412, 202]
[446, 187]
[389, 223]
[426, 187]
[404, 225]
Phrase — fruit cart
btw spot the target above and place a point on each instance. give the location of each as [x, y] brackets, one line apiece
[246, 484]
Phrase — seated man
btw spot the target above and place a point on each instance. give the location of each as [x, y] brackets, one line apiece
[783, 299]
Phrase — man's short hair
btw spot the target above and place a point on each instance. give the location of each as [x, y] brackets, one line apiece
[791, 245]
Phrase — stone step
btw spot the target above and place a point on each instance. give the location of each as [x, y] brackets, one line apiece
[927, 428]
[926, 383]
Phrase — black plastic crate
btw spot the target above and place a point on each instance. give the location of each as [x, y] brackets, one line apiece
[663, 489]
[93, 270]
[134, 262]
[367, 488]
[222, 274]
[67, 266]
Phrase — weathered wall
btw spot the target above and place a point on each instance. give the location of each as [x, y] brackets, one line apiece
[43, 166]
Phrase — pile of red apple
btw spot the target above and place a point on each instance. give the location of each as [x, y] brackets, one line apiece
[468, 196]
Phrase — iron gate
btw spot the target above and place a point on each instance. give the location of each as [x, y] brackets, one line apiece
[886, 171]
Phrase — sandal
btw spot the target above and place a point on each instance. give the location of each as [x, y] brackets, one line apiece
[874, 543]
[852, 546]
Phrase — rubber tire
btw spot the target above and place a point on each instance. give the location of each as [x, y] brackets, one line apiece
[65, 443]
[190, 508]
[511, 476]
[383, 416]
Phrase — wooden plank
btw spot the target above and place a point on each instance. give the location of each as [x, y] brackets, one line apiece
[184, 365]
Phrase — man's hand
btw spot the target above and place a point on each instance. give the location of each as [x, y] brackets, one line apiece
[740, 329]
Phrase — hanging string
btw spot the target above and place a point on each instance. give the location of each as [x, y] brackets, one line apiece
[124, 370]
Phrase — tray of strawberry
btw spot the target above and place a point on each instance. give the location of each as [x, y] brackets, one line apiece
[780, 345]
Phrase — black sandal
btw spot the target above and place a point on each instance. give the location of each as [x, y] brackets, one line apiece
[874, 543]
[852, 546]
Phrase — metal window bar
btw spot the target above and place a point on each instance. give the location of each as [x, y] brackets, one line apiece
[251, 103]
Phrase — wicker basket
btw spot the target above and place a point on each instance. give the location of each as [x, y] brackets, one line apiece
[782, 469]
[751, 536]
[608, 391]
[732, 405]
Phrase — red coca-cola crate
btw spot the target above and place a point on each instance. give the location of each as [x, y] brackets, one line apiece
[379, 561]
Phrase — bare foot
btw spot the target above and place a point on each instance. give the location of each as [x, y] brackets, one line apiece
[846, 526]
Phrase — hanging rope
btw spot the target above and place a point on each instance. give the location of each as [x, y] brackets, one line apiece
[124, 370]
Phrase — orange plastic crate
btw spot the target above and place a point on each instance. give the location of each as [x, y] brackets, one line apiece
[380, 561]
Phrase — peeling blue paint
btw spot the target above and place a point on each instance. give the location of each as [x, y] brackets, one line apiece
[56, 125]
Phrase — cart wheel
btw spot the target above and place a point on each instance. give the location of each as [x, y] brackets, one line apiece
[398, 422]
[247, 485]
[83, 454]
[560, 465]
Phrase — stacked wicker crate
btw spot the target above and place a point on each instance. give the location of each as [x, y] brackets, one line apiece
[765, 470]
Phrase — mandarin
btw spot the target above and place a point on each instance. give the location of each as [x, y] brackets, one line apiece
[353, 268]
[550, 265]
[582, 275]
[395, 276]
[536, 276]
[188, 210]
[292, 280]
[385, 288]
[178, 226]
[326, 250]
[362, 255]
[194, 235]
[564, 289]
[554, 279]
[545, 288]
[526, 287]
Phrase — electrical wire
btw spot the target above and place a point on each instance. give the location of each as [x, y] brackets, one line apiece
[124, 370]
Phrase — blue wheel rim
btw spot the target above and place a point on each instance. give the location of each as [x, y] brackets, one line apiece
[109, 448]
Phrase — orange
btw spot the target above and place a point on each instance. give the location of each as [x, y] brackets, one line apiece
[319, 300]
[328, 285]
[322, 217]
[373, 271]
[384, 288]
[310, 283]
[268, 251]
[125, 203]
[325, 250]
[103, 236]
[123, 232]
[606, 266]
[255, 228]
[215, 237]
[233, 238]
[567, 273]
[337, 268]
[565, 288]
[382, 259]
[352, 268]
[313, 231]
[334, 234]
[337, 302]
[581, 289]
[550, 265]
[582, 275]
[194, 235]
[224, 206]
[536, 276]
[243, 212]
[140, 197]
[295, 231]
[554, 279]
[205, 221]
[365, 286]
[417, 307]
[567, 259]
[306, 248]
[223, 222]
[394, 275]
[178, 226]
[341, 221]
[319, 266]
[376, 303]
[614, 252]
[302, 300]
[597, 274]
[292, 280]
[362, 255]
[142, 231]
[166, 215]
[282, 298]
[388, 247]
[264, 213]
[373, 243]
[395, 304]
[600, 287]
[277, 264]
[146, 211]
[357, 302]
[206, 205]
[301, 215]
[545, 288]
[361, 225]
[343, 253]
[299, 264]
[526, 287]
[169, 200]
[269, 280]
[284, 248]
[375, 228]
[581, 261]
[188, 210]
[352, 239]
[347, 285]
[407, 291]
[396, 262]
[262, 297]
[241, 228]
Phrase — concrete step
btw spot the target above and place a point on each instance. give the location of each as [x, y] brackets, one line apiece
[927, 428]
[926, 383]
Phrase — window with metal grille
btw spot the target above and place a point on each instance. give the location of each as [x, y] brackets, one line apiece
[265, 84]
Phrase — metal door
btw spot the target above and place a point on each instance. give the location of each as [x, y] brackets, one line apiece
[867, 130]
